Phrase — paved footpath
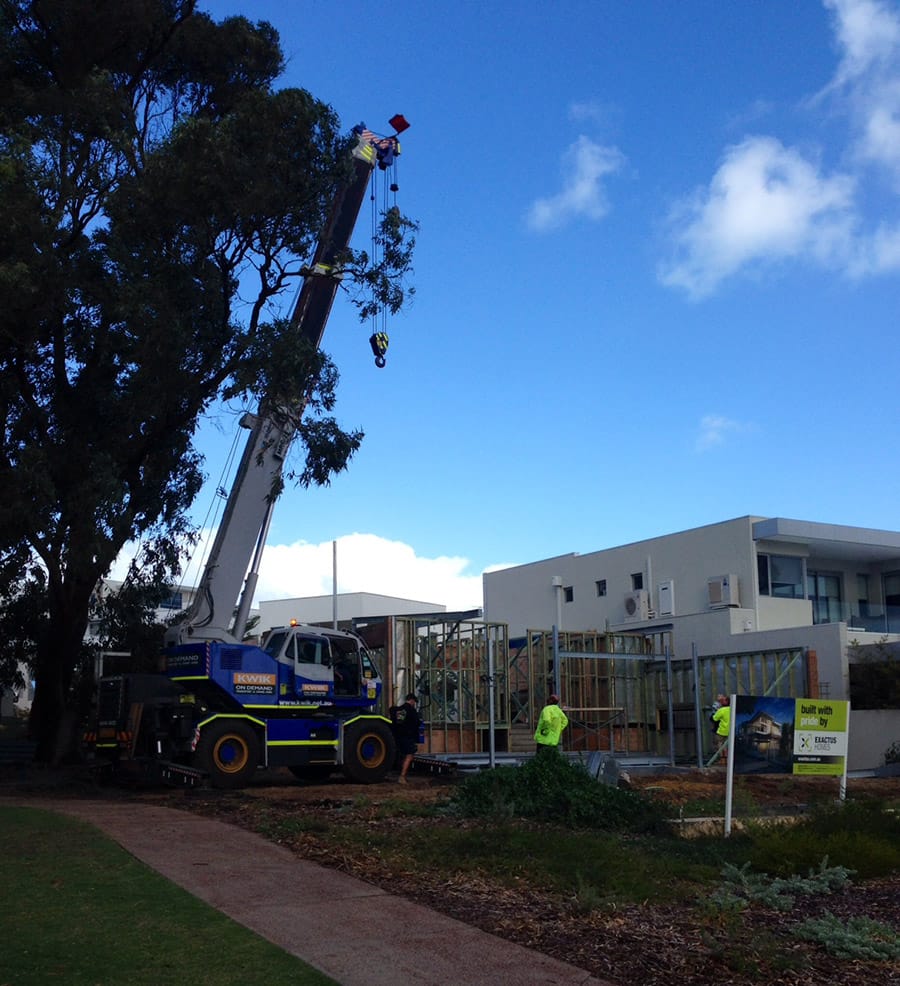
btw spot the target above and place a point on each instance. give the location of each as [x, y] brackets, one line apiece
[357, 933]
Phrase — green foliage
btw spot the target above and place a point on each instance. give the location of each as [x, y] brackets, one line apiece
[23, 615]
[124, 619]
[859, 834]
[892, 753]
[551, 788]
[592, 867]
[159, 197]
[277, 827]
[743, 804]
[858, 938]
[865, 815]
[587, 897]
[874, 675]
[397, 808]
[742, 886]
[372, 291]
[595, 868]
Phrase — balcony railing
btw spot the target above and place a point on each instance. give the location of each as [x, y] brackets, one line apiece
[871, 617]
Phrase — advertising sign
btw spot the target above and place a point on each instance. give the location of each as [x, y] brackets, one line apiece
[249, 683]
[820, 737]
[802, 736]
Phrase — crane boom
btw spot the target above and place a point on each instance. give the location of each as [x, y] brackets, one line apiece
[237, 548]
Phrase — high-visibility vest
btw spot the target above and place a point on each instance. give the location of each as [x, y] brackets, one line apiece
[550, 725]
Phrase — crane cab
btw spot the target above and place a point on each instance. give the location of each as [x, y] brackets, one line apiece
[324, 666]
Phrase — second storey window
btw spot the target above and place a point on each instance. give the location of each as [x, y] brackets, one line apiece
[780, 575]
[824, 589]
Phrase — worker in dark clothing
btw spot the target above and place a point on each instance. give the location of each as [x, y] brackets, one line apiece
[406, 724]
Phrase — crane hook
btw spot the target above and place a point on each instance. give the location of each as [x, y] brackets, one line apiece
[379, 343]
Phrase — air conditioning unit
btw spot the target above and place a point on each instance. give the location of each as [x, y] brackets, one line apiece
[723, 591]
[665, 593]
[637, 605]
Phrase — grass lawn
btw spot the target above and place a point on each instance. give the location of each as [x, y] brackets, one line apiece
[79, 911]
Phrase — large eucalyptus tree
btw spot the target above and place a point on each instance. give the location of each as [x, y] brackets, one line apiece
[157, 192]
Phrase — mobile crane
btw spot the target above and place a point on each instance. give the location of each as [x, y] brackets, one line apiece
[305, 699]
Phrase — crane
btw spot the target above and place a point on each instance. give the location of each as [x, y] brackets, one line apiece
[219, 707]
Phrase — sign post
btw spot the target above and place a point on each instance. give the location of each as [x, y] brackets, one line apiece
[729, 771]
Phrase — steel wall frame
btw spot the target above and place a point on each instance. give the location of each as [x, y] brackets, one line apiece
[604, 690]
[445, 662]
[614, 685]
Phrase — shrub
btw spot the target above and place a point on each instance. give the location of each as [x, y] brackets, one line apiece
[892, 753]
[858, 834]
[741, 886]
[551, 788]
[859, 938]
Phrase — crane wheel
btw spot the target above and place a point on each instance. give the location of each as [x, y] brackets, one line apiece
[369, 751]
[229, 752]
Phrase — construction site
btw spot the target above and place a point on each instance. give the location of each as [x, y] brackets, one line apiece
[629, 696]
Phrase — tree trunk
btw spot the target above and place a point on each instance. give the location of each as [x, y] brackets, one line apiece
[49, 703]
[59, 653]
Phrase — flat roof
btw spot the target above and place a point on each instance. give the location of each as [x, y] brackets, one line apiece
[831, 540]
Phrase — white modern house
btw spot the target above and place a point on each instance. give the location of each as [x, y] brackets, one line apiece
[180, 599]
[343, 607]
[747, 584]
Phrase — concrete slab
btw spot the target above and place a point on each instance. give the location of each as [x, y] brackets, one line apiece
[357, 933]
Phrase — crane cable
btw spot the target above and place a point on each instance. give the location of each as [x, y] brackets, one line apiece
[210, 521]
[379, 339]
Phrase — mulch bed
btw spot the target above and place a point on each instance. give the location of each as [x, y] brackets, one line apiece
[635, 945]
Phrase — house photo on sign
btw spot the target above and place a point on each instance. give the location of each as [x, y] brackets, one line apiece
[763, 735]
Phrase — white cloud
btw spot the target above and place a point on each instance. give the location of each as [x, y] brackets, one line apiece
[365, 563]
[590, 110]
[766, 202]
[769, 203]
[714, 428]
[868, 77]
[882, 134]
[878, 253]
[585, 164]
[868, 32]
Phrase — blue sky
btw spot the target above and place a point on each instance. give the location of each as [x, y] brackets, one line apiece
[657, 280]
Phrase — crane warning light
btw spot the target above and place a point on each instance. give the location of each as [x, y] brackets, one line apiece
[398, 122]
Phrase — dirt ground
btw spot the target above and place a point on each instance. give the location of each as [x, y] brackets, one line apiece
[647, 944]
[637, 945]
[678, 788]
[774, 792]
